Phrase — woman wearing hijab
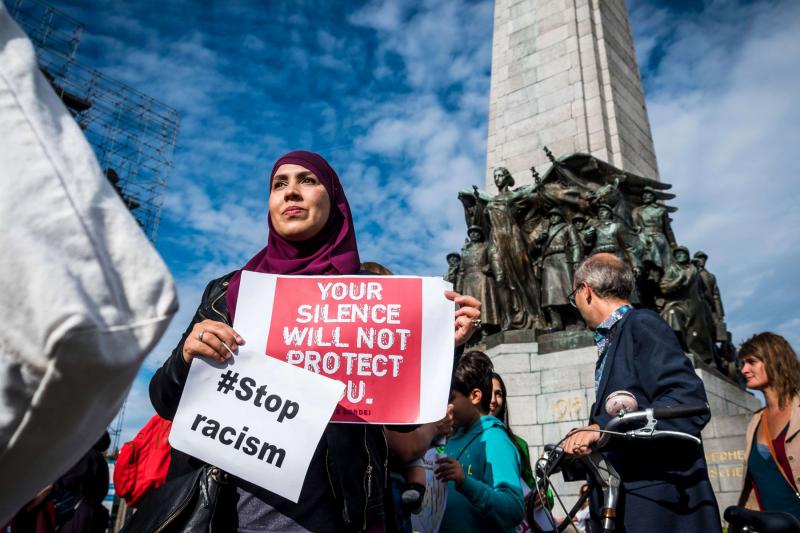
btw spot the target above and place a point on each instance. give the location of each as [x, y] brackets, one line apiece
[311, 232]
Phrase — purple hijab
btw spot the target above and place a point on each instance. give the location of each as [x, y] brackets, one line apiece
[331, 251]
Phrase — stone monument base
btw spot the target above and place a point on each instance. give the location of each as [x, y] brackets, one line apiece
[551, 393]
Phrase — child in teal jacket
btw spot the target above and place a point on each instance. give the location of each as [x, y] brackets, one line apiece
[482, 464]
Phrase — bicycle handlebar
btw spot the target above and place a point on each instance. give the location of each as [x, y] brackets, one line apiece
[627, 418]
[680, 411]
[651, 416]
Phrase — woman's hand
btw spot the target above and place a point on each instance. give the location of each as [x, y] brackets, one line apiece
[468, 315]
[214, 340]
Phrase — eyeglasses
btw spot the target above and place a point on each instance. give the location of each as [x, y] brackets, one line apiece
[571, 297]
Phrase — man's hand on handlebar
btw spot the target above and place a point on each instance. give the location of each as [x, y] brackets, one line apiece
[580, 441]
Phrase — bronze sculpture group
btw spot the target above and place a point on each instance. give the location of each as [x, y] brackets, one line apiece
[525, 243]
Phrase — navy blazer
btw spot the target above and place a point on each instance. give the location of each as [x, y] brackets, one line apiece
[665, 485]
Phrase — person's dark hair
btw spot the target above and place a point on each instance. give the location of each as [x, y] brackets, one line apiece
[780, 363]
[607, 275]
[504, 417]
[376, 268]
[502, 414]
[474, 371]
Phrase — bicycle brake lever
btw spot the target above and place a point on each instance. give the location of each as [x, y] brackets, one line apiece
[645, 431]
[677, 434]
[641, 434]
[650, 427]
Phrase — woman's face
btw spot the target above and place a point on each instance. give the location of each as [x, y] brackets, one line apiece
[497, 398]
[299, 205]
[755, 373]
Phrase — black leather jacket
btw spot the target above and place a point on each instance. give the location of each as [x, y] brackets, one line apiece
[356, 454]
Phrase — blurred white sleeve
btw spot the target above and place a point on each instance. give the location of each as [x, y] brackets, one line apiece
[84, 294]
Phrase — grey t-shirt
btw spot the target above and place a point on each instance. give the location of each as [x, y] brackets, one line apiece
[255, 515]
[316, 511]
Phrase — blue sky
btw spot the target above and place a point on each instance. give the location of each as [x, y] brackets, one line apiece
[395, 94]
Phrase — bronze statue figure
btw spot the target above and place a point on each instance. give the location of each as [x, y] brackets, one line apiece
[477, 279]
[474, 203]
[712, 296]
[561, 252]
[652, 221]
[453, 265]
[684, 307]
[586, 234]
[610, 237]
[610, 195]
[518, 287]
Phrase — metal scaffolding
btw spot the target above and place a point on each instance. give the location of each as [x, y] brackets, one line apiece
[133, 135]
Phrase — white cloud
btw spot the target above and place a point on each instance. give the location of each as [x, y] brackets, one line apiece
[253, 43]
[722, 105]
[440, 43]
[436, 154]
[791, 330]
[385, 16]
[433, 138]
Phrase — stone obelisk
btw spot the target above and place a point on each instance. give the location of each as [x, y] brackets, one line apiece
[565, 76]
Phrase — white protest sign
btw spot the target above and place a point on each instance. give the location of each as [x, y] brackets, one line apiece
[430, 514]
[389, 339]
[255, 417]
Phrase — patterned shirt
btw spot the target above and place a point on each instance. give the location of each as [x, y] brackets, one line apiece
[603, 334]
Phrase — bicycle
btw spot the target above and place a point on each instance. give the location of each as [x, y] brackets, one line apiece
[600, 472]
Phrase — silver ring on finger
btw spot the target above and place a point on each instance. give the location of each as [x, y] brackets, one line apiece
[200, 336]
[476, 323]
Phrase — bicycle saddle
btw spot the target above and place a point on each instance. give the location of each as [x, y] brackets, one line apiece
[763, 522]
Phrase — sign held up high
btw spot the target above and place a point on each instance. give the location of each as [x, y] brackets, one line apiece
[382, 336]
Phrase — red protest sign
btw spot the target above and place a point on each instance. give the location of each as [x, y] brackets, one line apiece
[365, 332]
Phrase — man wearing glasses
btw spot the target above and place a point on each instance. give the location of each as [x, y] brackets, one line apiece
[665, 485]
